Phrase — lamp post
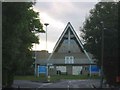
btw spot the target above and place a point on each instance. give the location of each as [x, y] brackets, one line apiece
[46, 24]
[102, 55]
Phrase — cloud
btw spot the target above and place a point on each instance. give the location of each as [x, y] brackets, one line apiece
[66, 11]
[58, 14]
[53, 23]
[54, 28]
[71, 0]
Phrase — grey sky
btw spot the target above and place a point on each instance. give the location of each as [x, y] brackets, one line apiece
[58, 14]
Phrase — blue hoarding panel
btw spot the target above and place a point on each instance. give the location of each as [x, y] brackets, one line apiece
[94, 68]
[42, 69]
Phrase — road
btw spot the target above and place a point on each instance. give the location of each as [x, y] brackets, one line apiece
[72, 84]
[61, 84]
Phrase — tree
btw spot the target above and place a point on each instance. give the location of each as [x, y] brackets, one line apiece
[19, 23]
[103, 17]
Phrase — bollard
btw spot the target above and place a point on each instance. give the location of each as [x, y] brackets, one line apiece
[48, 78]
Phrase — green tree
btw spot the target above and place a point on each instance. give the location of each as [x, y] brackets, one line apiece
[103, 17]
[19, 25]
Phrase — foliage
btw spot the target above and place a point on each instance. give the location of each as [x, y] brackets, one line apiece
[103, 17]
[20, 23]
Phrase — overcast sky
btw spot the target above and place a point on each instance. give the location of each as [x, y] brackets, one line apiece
[58, 14]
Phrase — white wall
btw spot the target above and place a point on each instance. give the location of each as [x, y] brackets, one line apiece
[61, 68]
[76, 70]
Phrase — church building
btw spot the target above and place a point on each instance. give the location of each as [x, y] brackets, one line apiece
[68, 56]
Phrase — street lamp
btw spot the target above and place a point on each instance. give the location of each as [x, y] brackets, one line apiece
[46, 24]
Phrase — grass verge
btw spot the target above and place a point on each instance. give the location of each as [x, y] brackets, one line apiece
[55, 77]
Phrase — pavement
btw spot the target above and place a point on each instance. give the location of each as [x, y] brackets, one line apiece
[0, 86]
[60, 84]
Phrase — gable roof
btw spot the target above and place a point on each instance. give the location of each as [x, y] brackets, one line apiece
[70, 29]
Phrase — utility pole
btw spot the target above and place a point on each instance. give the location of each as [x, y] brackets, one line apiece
[35, 55]
[35, 71]
[102, 55]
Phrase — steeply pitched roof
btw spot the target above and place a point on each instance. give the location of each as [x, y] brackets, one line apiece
[68, 43]
[41, 56]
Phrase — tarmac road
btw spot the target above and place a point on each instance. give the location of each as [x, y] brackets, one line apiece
[73, 84]
[61, 84]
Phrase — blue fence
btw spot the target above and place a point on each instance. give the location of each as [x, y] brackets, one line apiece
[94, 68]
[42, 69]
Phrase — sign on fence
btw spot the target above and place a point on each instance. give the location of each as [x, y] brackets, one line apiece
[94, 68]
[42, 69]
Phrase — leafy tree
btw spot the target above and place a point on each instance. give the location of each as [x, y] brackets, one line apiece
[20, 23]
[103, 17]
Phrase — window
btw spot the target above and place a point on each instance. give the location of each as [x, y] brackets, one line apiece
[51, 67]
[69, 59]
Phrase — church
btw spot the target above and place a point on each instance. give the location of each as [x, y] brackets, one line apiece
[68, 57]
